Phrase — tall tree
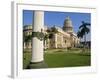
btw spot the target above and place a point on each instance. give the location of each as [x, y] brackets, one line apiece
[46, 36]
[83, 30]
[53, 30]
[27, 39]
[50, 33]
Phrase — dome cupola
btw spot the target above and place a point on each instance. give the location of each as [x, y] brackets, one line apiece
[68, 25]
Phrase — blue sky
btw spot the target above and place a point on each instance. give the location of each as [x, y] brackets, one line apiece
[57, 18]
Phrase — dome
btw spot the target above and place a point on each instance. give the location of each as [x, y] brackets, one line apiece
[68, 22]
[68, 25]
[67, 18]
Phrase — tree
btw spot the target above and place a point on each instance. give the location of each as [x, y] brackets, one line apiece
[46, 36]
[79, 34]
[27, 39]
[52, 31]
[83, 30]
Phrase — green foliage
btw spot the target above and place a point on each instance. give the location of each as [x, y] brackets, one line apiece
[79, 34]
[83, 29]
[46, 36]
[27, 38]
[39, 35]
[52, 31]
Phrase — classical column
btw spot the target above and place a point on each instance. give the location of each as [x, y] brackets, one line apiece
[37, 60]
[55, 40]
[62, 41]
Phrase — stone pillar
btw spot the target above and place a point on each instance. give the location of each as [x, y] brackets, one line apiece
[62, 41]
[55, 40]
[37, 60]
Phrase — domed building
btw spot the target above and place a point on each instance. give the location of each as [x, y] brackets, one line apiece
[68, 25]
[64, 38]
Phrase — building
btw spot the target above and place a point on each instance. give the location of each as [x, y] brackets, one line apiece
[64, 38]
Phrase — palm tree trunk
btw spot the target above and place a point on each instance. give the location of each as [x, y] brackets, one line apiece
[85, 40]
[84, 44]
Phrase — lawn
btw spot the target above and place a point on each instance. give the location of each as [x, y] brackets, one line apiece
[62, 58]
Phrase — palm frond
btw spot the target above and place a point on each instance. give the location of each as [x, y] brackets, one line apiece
[87, 24]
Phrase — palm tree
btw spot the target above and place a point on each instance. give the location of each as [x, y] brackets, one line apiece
[27, 39]
[46, 36]
[52, 31]
[79, 34]
[83, 30]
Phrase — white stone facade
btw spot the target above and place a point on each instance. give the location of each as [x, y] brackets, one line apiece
[65, 37]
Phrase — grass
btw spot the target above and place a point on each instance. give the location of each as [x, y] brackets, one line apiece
[62, 58]
[26, 59]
